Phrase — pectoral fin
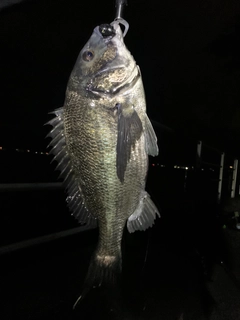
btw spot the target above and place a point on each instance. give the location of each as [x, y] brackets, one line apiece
[129, 131]
[150, 138]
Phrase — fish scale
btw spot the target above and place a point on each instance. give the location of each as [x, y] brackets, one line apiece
[104, 137]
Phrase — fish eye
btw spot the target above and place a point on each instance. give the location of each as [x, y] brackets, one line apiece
[88, 55]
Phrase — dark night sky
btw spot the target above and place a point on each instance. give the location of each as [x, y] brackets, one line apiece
[188, 53]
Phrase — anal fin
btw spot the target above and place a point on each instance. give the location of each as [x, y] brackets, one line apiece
[144, 216]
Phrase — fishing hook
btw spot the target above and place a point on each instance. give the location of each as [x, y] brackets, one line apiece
[119, 20]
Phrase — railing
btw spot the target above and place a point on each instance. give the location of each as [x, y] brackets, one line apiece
[30, 186]
[58, 186]
[39, 240]
[220, 166]
[22, 187]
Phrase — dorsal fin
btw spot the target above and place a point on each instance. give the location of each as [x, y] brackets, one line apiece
[75, 199]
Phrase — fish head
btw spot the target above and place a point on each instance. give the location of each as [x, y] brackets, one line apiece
[104, 65]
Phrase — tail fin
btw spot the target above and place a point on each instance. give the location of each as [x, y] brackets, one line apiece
[105, 272]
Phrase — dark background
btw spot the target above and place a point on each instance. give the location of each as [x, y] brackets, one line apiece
[188, 53]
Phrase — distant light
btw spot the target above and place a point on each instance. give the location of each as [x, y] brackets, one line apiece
[42, 153]
[46, 153]
[186, 168]
[1, 148]
[28, 150]
[17, 150]
[162, 166]
[153, 164]
[36, 152]
[231, 167]
[175, 167]
[202, 169]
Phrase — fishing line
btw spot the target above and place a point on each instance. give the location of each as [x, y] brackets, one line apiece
[119, 8]
[147, 250]
[150, 230]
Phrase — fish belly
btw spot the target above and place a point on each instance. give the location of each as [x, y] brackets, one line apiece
[91, 138]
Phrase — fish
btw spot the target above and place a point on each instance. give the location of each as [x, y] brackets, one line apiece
[101, 139]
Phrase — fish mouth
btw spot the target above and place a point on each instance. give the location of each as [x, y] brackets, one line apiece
[109, 31]
[127, 83]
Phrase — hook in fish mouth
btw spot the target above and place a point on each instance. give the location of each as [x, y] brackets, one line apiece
[123, 22]
[110, 30]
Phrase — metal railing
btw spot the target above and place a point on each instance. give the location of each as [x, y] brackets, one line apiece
[30, 186]
[58, 185]
[12, 187]
[43, 239]
[220, 166]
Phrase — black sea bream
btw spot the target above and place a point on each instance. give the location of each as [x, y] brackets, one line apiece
[101, 139]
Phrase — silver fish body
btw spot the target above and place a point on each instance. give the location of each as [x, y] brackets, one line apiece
[101, 139]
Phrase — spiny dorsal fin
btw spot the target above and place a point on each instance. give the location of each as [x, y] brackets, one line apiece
[59, 150]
